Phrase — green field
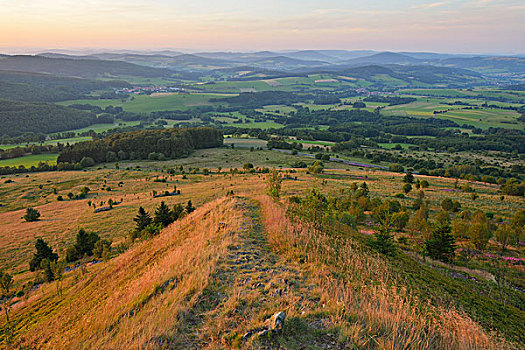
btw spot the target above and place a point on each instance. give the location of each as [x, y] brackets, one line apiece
[99, 103]
[482, 117]
[29, 161]
[169, 102]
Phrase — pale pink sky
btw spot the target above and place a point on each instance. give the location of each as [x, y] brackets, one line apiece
[485, 26]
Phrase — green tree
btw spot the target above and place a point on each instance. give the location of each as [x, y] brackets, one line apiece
[163, 215]
[274, 184]
[102, 249]
[479, 230]
[177, 212]
[503, 234]
[408, 178]
[316, 168]
[189, 207]
[31, 215]
[441, 245]
[86, 162]
[407, 188]
[142, 219]
[43, 251]
[383, 240]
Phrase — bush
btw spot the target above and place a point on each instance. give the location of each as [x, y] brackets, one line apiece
[31, 215]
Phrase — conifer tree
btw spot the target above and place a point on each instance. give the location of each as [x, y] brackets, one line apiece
[163, 215]
[189, 207]
[142, 219]
[441, 245]
[43, 251]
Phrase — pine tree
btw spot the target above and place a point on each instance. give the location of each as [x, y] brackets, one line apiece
[441, 245]
[142, 219]
[43, 251]
[189, 207]
[163, 215]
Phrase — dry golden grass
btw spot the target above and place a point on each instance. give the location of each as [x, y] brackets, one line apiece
[381, 311]
[184, 287]
[135, 297]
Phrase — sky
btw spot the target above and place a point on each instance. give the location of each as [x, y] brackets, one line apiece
[455, 26]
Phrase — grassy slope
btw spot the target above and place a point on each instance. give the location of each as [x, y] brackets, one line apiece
[202, 284]
[217, 302]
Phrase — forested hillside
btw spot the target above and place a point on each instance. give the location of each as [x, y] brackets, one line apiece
[21, 117]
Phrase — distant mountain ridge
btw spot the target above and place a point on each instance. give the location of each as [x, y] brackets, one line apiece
[80, 67]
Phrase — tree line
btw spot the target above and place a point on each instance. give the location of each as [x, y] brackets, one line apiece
[158, 144]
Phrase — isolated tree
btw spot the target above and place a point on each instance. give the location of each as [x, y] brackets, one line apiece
[85, 242]
[31, 215]
[383, 240]
[274, 184]
[316, 168]
[407, 188]
[424, 184]
[142, 219]
[362, 191]
[446, 204]
[43, 251]
[163, 215]
[441, 245]
[408, 178]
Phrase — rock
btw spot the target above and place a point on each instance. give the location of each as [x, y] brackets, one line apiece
[263, 333]
[277, 321]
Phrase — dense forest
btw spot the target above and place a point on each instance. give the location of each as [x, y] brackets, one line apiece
[148, 144]
[36, 87]
[21, 117]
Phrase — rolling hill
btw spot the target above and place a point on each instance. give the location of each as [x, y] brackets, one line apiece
[215, 278]
[91, 69]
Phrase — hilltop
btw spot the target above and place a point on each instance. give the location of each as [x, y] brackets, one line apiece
[214, 277]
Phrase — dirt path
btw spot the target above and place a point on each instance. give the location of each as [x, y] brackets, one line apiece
[249, 286]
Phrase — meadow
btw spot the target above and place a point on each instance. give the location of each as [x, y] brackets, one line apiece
[29, 160]
[135, 300]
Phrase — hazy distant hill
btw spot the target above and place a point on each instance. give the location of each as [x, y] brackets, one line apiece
[488, 65]
[53, 81]
[22, 86]
[92, 68]
[383, 58]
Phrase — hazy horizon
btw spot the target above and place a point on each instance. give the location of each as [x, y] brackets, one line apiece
[472, 27]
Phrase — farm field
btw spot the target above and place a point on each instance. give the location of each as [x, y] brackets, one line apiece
[169, 102]
[29, 160]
